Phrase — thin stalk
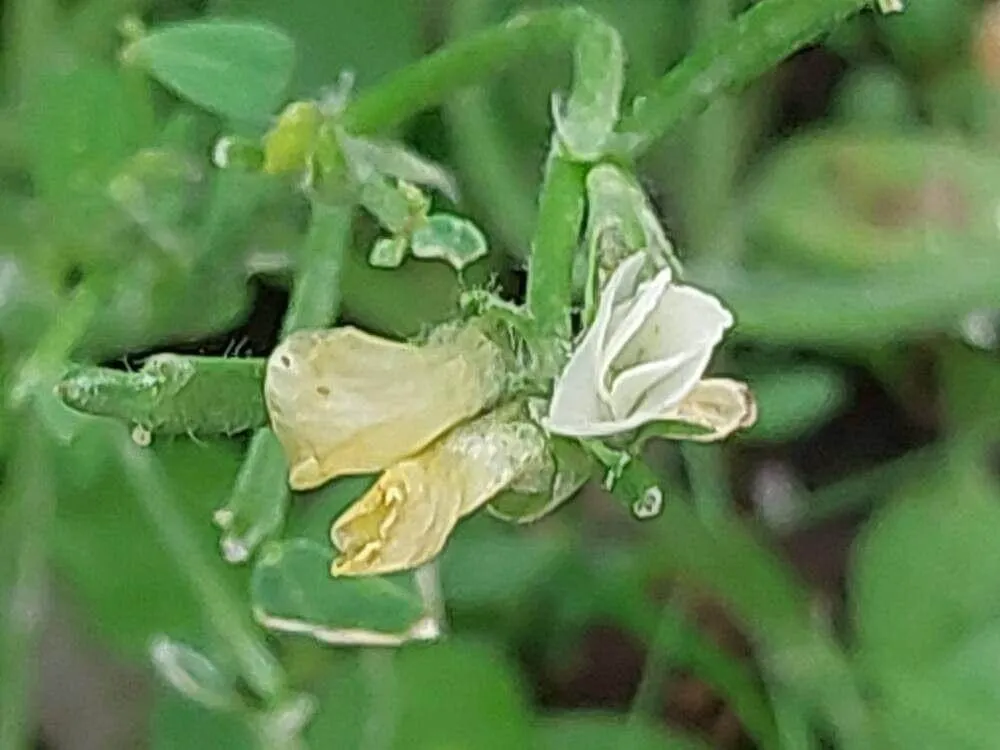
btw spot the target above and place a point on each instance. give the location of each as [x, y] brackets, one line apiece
[226, 616]
[557, 233]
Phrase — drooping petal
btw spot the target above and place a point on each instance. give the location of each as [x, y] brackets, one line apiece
[717, 404]
[344, 402]
[404, 520]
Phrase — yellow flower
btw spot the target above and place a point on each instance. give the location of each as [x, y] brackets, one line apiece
[342, 401]
[404, 520]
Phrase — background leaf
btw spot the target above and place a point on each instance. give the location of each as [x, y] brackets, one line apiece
[237, 70]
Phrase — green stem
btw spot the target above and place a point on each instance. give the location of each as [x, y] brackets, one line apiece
[173, 394]
[742, 51]
[468, 61]
[561, 208]
[257, 507]
[316, 294]
[728, 561]
[678, 643]
[224, 614]
[706, 470]
[714, 158]
[24, 533]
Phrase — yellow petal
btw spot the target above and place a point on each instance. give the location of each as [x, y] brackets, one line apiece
[404, 520]
[717, 404]
[342, 401]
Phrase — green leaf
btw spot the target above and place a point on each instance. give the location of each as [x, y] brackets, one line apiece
[81, 127]
[239, 70]
[180, 724]
[927, 610]
[293, 592]
[953, 704]
[450, 238]
[603, 731]
[388, 252]
[847, 201]
[370, 39]
[454, 694]
[490, 566]
[926, 567]
[795, 400]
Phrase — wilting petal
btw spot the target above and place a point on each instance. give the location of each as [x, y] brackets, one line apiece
[344, 402]
[404, 520]
[717, 404]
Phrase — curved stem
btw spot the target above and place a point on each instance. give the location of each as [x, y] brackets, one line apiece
[476, 58]
[729, 60]
[483, 151]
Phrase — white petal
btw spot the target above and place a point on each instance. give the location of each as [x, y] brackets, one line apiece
[655, 386]
[645, 304]
[575, 402]
[719, 404]
[604, 427]
[686, 321]
[617, 294]
[575, 399]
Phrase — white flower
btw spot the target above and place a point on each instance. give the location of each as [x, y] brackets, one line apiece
[643, 361]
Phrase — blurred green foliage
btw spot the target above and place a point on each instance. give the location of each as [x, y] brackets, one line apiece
[859, 247]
